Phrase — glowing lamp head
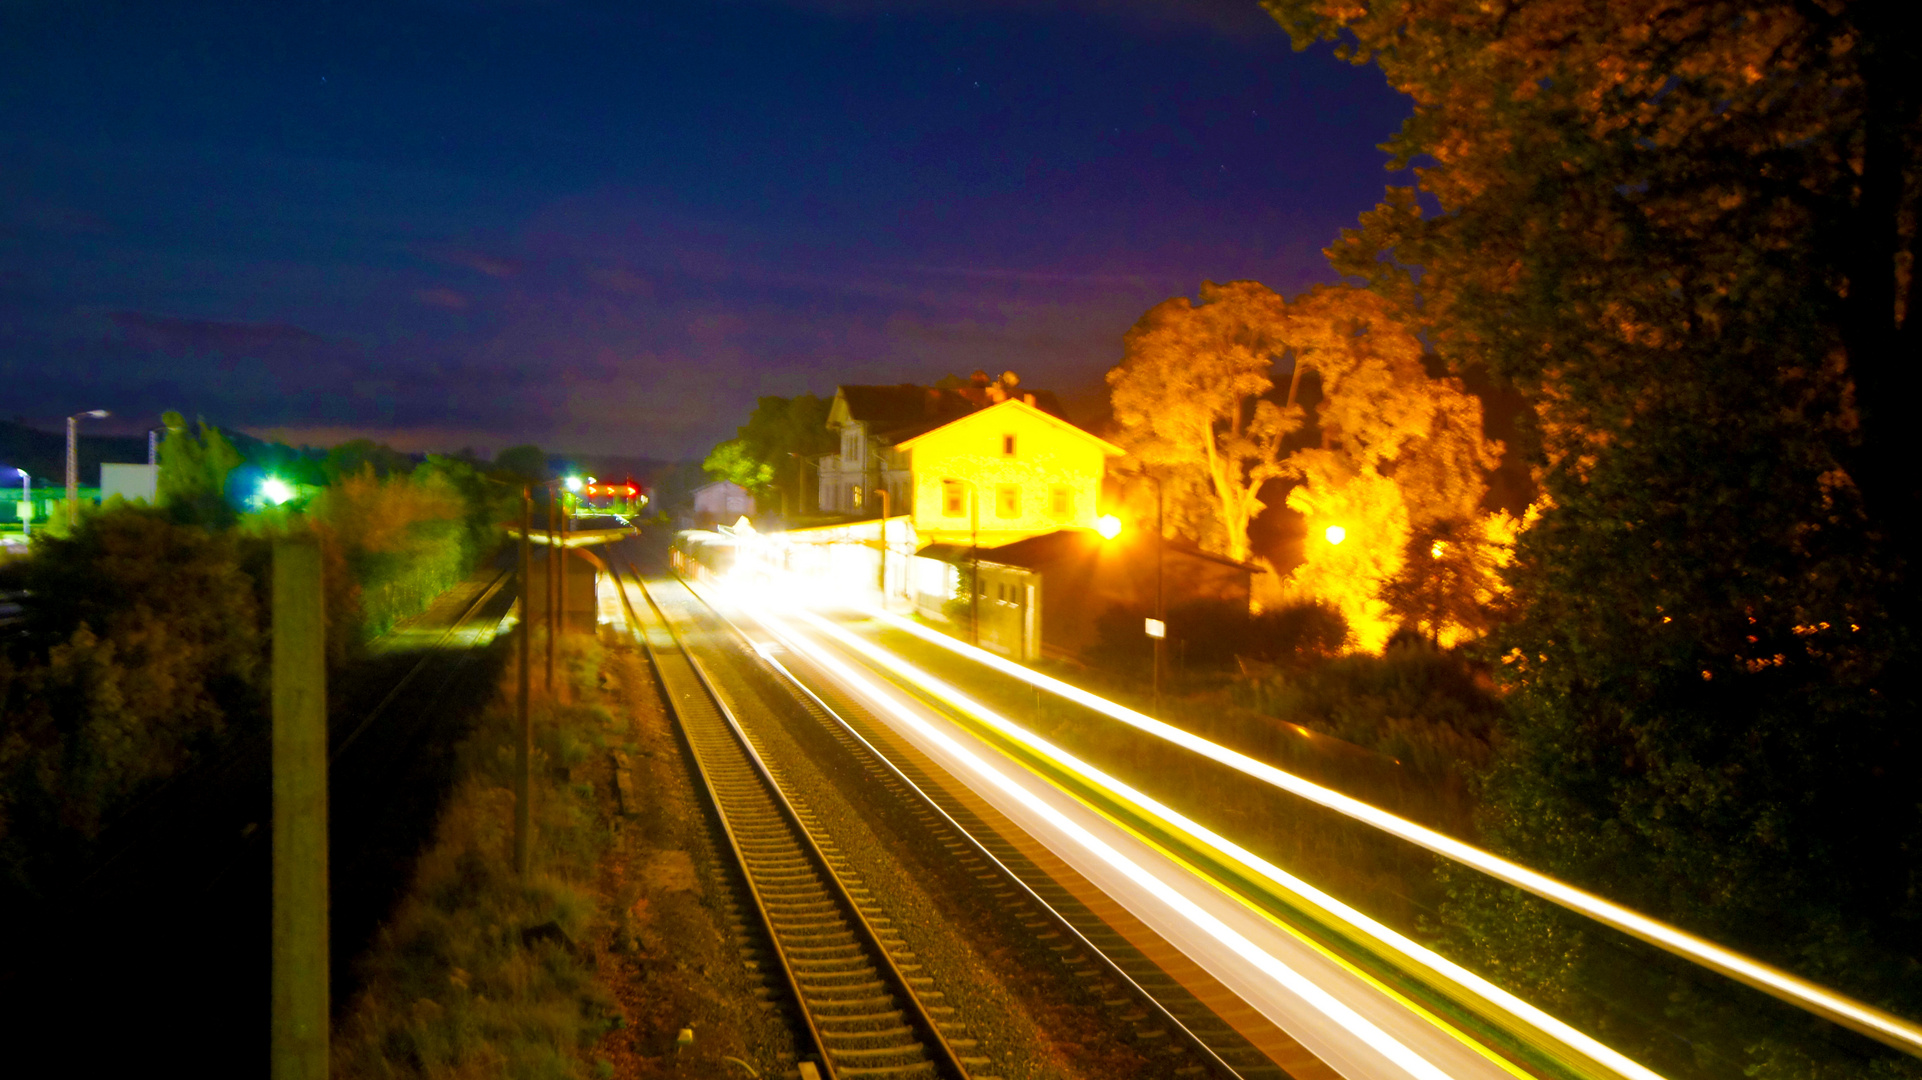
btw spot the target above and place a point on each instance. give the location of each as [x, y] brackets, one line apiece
[1108, 525]
[275, 490]
[1334, 534]
[1437, 549]
[573, 483]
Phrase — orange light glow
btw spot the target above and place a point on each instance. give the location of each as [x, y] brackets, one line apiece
[1335, 534]
[1108, 525]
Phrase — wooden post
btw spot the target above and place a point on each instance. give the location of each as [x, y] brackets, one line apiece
[524, 747]
[301, 1006]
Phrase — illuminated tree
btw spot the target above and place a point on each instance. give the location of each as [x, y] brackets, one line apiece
[1402, 454]
[1189, 397]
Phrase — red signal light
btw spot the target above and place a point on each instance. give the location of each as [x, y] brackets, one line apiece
[631, 492]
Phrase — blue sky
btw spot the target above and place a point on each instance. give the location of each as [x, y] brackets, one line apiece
[608, 227]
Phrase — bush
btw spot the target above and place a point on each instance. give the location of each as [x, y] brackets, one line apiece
[144, 641]
[1427, 708]
[1219, 635]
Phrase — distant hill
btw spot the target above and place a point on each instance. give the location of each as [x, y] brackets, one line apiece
[44, 454]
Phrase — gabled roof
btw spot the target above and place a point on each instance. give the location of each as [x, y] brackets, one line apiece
[894, 413]
[1107, 447]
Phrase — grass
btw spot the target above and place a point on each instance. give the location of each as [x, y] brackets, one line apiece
[479, 973]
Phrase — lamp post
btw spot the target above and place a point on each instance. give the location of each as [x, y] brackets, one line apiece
[26, 503]
[73, 460]
[974, 559]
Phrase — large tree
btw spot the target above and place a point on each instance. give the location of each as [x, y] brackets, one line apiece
[1191, 395]
[1687, 232]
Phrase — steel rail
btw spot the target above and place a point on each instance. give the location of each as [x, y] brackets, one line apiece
[1214, 1060]
[762, 860]
[428, 655]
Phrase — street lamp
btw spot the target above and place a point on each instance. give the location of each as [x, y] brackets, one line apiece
[73, 461]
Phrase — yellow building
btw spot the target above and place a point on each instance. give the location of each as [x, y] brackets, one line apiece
[1003, 473]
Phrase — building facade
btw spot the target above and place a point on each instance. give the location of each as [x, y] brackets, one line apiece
[895, 440]
[1002, 473]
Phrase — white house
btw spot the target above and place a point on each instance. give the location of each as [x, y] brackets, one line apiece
[722, 502]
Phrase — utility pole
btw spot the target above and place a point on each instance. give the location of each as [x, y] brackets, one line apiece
[300, 1001]
[553, 599]
[882, 494]
[974, 558]
[524, 746]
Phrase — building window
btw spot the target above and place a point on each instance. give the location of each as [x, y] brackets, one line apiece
[1007, 501]
[952, 499]
[1007, 446]
[857, 496]
[1061, 502]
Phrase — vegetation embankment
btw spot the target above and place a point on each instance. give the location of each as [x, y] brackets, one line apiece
[613, 945]
[143, 645]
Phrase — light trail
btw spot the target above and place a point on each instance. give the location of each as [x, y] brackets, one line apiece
[1411, 951]
[1858, 1016]
[1325, 1003]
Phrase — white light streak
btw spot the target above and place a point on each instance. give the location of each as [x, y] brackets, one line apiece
[1290, 979]
[1798, 991]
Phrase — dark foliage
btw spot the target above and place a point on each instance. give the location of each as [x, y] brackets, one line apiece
[1216, 635]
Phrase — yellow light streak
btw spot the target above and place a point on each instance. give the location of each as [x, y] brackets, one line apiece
[1541, 1021]
[1290, 979]
[1870, 1021]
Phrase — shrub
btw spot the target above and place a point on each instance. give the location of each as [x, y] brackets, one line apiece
[144, 641]
[1212, 634]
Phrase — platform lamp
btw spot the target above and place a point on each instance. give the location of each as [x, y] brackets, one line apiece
[73, 460]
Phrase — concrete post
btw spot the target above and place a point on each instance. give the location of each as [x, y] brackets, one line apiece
[553, 590]
[300, 1002]
[524, 746]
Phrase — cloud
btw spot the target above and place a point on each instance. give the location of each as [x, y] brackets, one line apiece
[203, 337]
[480, 262]
[441, 298]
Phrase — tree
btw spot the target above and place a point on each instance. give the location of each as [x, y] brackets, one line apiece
[1687, 233]
[1402, 455]
[526, 463]
[1189, 396]
[194, 470]
[769, 451]
[734, 462]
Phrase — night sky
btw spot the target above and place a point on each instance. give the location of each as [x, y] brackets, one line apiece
[608, 227]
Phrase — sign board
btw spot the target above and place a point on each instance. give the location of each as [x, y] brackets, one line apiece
[1157, 628]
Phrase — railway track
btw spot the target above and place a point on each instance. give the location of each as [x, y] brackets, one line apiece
[1157, 1010]
[861, 1002]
